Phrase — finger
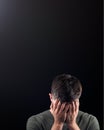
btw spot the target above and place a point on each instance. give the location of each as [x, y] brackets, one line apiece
[73, 107]
[76, 105]
[51, 106]
[62, 108]
[67, 108]
[58, 107]
[70, 109]
[55, 104]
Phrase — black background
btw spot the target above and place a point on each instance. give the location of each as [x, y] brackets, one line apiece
[40, 39]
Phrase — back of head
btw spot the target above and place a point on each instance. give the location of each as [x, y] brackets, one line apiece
[66, 88]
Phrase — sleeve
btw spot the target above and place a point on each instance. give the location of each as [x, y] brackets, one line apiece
[33, 124]
[93, 124]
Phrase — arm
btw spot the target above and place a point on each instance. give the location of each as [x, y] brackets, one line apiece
[93, 124]
[32, 124]
[57, 126]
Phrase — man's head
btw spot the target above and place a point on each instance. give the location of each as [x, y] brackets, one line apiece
[66, 88]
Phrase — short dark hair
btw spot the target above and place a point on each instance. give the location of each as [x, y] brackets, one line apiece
[66, 88]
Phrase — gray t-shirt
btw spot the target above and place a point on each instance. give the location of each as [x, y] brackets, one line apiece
[44, 121]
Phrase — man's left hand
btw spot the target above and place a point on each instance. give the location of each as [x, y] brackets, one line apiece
[72, 115]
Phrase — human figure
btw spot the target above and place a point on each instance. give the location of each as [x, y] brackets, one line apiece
[64, 113]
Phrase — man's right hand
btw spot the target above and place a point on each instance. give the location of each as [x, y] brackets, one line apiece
[59, 112]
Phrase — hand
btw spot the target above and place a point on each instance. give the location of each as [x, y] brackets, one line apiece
[72, 115]
[59, 112]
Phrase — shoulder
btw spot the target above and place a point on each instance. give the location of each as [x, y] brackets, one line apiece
[35, 122]
[88, 120]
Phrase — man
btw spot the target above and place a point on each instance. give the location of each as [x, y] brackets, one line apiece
[64, 113]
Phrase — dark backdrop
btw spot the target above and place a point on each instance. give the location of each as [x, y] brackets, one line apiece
[40, 39]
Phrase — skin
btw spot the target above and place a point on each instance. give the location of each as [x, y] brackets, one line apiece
[64, 112]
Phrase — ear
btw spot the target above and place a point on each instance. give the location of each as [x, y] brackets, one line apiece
[50, 96]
